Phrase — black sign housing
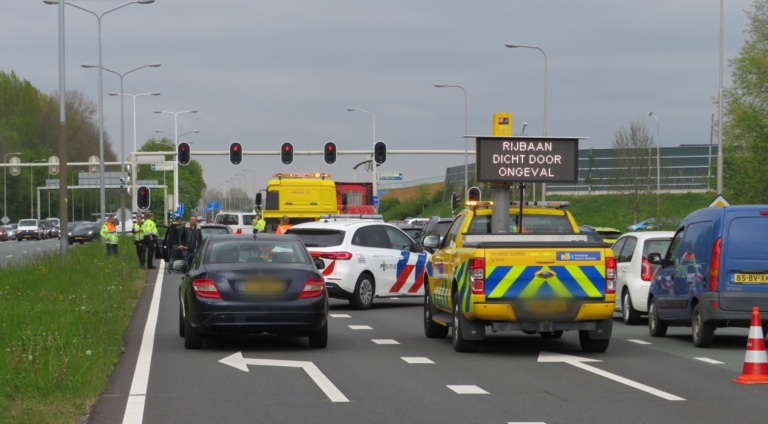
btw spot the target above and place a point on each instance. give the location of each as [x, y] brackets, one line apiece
[527, 159]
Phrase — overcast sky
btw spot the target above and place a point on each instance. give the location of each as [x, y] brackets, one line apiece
[265, 72]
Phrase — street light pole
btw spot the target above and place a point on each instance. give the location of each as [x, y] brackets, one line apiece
[176, 162]
[466, 132]
[374, 165]
[658, 164]
[31, 180]
[720, 112]
[514, 46]
[5, 185]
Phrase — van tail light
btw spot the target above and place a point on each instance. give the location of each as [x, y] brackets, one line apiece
[646, 271]
[314, 287]
[339, 256]
[610, 275]
[206, 288]
[714, 265]
[477, 275]
[239, 231]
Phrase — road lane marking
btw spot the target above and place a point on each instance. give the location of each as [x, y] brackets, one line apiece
[134, 408]
[385, 341]
[639, 341]
[395, 298]
[416, 360]
[710, 361]
[578, 362]
[360, 327]
[468, 390]
[237, 361]
[340, 316]
[527, 422]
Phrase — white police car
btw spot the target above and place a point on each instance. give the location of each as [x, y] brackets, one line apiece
[364, 257]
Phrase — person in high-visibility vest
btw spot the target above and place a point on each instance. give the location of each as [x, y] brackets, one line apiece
[138, 240]
[286, 225]
[150, 237]
[258, 224]
[109, 234]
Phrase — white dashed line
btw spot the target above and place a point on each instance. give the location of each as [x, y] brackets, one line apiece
[520, 422]
[639, 341]
[416, 360]
[360, 327]
[340, 316]
[385, 341]
[468, 390]
[395, 298]
[710, 361]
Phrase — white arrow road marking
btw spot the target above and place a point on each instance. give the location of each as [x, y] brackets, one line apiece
[340, 316]
[711, 361]
[578, 362]
[638, 341]
[360, 327]
[385, 341]
[468, 390]
[237, 361]
[416, 360]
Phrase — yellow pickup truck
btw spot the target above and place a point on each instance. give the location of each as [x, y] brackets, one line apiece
[543, 276]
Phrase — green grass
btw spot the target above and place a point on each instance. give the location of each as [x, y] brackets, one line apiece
[62, 331]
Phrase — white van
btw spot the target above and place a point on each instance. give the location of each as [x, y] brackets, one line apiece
[239, 222]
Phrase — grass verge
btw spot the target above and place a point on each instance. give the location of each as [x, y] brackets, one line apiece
[62, 331]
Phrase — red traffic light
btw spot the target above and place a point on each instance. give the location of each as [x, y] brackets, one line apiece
[235, 148]
[235, 153]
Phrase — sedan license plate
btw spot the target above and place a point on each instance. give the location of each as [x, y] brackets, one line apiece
[261, 287]
[27, 236]
[749, 278]
[546, 306]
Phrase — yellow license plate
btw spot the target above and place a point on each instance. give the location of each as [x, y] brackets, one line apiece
[546, 306]
[262, 287]
[750, 278]
[78, 238]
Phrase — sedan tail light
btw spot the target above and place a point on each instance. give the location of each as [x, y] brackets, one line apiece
[339, 256]
[239, 231]
[610, 275]
[206, 288]
[477, 275]
[646, 270]
[314, 287]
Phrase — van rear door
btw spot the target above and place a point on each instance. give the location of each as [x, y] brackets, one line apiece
[744, 258]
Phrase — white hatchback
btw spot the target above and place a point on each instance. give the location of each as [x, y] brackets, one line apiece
[364, 258]
[635, 272]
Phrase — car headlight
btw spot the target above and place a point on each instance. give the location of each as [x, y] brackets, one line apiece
[89, 233]
[69, 234]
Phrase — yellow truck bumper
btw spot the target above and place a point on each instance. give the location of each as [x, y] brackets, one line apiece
[504, 312]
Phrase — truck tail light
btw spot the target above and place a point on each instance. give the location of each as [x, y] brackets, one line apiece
[206, 288]
[610, 275]
[646, 271]
[339, 256]
[477, 275]
[714, 265]
[314, 287]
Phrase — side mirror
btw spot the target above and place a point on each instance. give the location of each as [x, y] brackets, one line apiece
[344, 199]
[258, 199]
[654, 258]
[178, 265]
[319, 263]
[432, 241]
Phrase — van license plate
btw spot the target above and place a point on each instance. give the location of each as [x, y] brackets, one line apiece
[749, 278]
[546, 306]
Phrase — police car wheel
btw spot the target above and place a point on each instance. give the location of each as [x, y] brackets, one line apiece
[432, 329]
[628, 313]
[460, 344]
[656, 326]
[552, 335]
[591, 345]
[362, 297]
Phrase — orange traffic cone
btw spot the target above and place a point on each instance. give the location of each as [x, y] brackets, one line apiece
[755, 363]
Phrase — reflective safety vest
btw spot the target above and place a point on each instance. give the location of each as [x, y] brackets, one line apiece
[149, 227]
[283, 228]
[138, 232]
[109, 233]
[259, 224]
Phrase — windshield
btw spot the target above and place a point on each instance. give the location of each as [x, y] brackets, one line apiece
[256, 251]
[535, 224]
[28, 223]
[84, 227]
[318, 238]
[610, 234]
[209, 231]
[227, 219]
[441, 228]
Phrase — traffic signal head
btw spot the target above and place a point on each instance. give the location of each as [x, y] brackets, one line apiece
[380, 152]
[286, 153]
[143, 197]
[183, 154]
[235, 153]
[329, 152]
[454, 202]
[473, 195]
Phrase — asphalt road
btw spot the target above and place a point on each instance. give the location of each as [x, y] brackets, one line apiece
[194, 387]
[14, 251]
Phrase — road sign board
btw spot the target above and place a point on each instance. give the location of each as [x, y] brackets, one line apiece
[527, 159]
[390, 176]
[375, 201]
[383, 192]
[214, 206]
[719, 202]
[5, 220]
[162, 167]
[15, 170]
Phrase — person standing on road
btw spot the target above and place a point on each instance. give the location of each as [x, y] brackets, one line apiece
[109, 234]
[190, 239]
[286, 225]
[150, 237]
[258, 223]
[138, 240]
[172, 241]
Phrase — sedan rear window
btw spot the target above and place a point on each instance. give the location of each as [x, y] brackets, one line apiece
[659, 246]
[210, 231]
[256, 251]
[536, 224]
[746, 238]
[318, 238]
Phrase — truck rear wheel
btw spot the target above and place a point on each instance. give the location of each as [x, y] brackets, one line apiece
[460, 344]
[591, 345]
[432, 329]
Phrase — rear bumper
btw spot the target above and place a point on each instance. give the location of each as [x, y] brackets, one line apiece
[578, 311]
[336, 291]
[739, 305]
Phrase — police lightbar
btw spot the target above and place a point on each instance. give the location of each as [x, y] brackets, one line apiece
[542, 204]
[474, 204]
[315, 175]
[355, 217]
